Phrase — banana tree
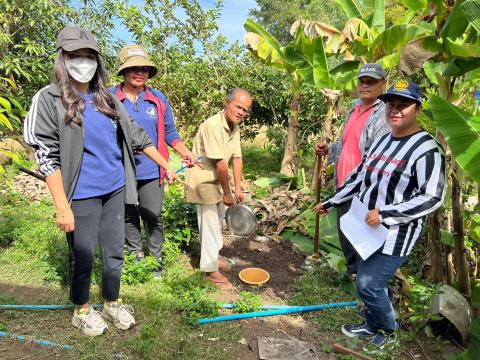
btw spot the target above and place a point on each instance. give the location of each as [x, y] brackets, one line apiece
[303, 60]
[454, 51]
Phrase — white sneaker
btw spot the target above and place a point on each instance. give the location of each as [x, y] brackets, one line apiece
[89, 321]
[120, 314]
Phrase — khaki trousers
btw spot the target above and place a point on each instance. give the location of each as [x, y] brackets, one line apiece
[210, 223]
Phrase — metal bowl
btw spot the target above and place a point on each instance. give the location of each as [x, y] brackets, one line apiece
[241, 220]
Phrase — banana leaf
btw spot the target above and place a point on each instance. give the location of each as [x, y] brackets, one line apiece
[462, 132]
[378, 19]
[415, 4]
[350, 8]
[455, 24]
[396, 36]
[471, 9]
[460, 67]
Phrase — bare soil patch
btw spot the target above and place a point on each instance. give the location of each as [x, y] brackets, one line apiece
[280, 258]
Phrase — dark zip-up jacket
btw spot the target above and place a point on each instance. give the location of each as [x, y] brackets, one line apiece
[60, 146]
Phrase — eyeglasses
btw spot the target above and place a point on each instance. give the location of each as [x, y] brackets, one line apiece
[143, 69]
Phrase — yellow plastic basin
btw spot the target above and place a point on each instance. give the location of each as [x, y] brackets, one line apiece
[254, 276]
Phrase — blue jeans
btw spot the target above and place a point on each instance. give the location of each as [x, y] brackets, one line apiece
[372, 286]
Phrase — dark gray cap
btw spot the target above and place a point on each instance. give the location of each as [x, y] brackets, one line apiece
[373, 70]
[74, 38]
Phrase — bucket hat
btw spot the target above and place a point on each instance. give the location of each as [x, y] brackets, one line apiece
[135, 55]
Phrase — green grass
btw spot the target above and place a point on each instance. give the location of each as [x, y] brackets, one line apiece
[33, 263]
[322, 286]
[260, 161]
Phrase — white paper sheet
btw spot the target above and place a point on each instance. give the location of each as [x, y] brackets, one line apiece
[365, 239]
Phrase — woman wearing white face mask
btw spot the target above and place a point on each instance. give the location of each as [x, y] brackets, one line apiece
[84, 142]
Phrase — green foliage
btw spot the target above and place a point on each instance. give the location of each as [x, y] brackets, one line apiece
[474, 337]
[302, 242]
[247, 302]
[138, 272]
[462, 132]
[190, 295]
[277, 16]
[30, 227]
[418, 309]
[328, 239]
[322, 286]
[198, 68]
[180, 222]
[27, 43]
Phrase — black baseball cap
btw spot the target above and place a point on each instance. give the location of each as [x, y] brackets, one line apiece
[74, 38]
[405, 89]
[373, 70]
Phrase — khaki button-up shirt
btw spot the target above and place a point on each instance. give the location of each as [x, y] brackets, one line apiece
[214, 141]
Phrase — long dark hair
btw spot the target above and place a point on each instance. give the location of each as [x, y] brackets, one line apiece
[75, 104]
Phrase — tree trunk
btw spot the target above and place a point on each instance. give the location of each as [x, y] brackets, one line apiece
[478, 196]
[434, 224]
[332, 99]
[435, 247]
[449, 266]
[460, 251]
[290, 160]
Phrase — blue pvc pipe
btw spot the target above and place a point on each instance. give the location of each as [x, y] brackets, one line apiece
[38, 342]
[41, 307]
[186, 166]
[263, 307]
[275, 312]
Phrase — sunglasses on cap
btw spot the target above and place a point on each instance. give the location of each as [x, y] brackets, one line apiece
[143, 69]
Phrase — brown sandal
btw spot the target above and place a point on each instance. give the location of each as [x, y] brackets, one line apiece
[223, 265]
[222, 284]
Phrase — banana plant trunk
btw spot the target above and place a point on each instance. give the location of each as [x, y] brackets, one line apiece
[435, 247]
[460, 250]
[435, 223]
[332, 100]
[290, 159]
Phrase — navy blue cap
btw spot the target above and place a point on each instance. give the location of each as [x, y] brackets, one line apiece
[373, 70]
[405, 89]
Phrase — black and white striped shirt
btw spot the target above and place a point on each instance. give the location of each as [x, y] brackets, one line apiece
[403, 177]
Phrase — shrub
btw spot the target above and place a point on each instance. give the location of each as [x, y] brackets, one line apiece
[247, 302]
[136, 272]
[179, 217]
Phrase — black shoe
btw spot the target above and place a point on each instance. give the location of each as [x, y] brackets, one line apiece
[139, 256]
[380, 342]
[359, 330]
[157, 273]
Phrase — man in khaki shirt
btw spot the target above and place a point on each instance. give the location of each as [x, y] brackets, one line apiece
[217, 141]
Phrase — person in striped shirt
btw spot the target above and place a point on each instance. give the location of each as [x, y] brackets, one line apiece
[401, 181]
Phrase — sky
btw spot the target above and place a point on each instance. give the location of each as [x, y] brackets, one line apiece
[230, 24]
[234, 14]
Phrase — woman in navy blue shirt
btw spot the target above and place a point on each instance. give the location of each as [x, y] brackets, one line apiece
[151, 111]
[84, 142]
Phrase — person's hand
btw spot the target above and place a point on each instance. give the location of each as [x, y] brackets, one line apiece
[321, 149]
[228, 199]
[239, 198]
[65, 219]
[373, 217]
[171, 176]
[188, 159]
[320, 209]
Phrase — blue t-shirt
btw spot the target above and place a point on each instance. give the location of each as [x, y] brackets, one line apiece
[145, 115]
[102, 170]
